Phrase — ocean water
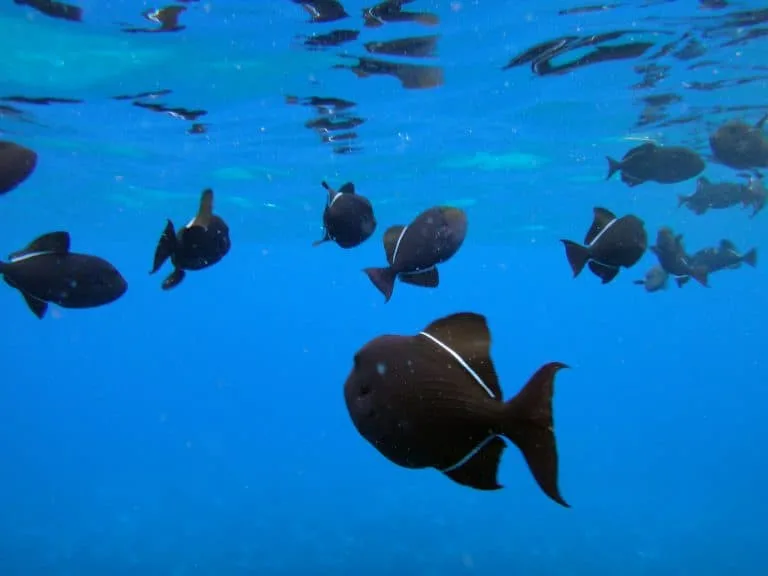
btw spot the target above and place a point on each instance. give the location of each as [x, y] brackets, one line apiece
[203, 430]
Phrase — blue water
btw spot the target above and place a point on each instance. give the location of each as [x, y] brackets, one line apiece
[204, 431]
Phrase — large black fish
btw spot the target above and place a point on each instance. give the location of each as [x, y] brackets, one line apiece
[433, 400]
[670, 251]
[348, 217]
[715, 195]
[611, 243]
[662, 164]
[724, 257]
[414, 251]
[47, 272]
[16, 165]
[741, 145]
[201, 243]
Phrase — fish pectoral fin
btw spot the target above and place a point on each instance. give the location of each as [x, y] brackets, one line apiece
[166, 246]
[391, 236]
[605, 273]
[55, 242]
[480, 467]
[466, 337]
[425, 278]
[174, 279]
[38, 307]
[205, 211]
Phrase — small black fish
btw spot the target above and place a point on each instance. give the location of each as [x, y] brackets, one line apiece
[662, 164]
[16, 165]
[655, 279]
[348, 217]
[200, 244]
[414, 251]
[610, 243]
[391, 11]
[47, 272]
[725, 256]
[716, 195]
[741, 146]
[670, 251]
[433, 400]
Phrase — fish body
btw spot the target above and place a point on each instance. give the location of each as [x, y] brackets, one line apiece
[672, 257]
[610, 244]
[654, 280]
[433, 400]
[203, 242]
[17, 163]
[348, 218]
[414, 251]
[740, 145]
[46, 271]
[662, 164]
[716, 195]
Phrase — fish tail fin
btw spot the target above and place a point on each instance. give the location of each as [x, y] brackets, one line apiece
[682, 281]
[613, 167]
[383, 279]
[528, 423]
[165, 247]
[748, 258]
[701, 275]
[577, 256]
[682, 200]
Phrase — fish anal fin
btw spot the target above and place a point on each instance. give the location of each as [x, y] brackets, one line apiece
[467, 335]
[38, 307]
[326, 238]
[426, 278]
[528, 423]
[602, 218]
[56, 242]
[173, 279]
[348, 188]
[605, 273]
[480, 469]
[391, 236]
[205, 211]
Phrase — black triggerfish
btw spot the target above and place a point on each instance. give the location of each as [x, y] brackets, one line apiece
[203, 242]
[610, 244]
[348, 217]
[414, 251]
[433, 400]
[47, 272]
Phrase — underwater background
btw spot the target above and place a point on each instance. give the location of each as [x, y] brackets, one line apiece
[203, 430]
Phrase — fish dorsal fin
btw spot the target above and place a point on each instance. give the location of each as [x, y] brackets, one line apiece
[727, 246]
[465, 337]
[53, 242]
[702, 183]
[600, 222]
[348, 188]
[205, 211]
[761, 122]
[392, 238]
